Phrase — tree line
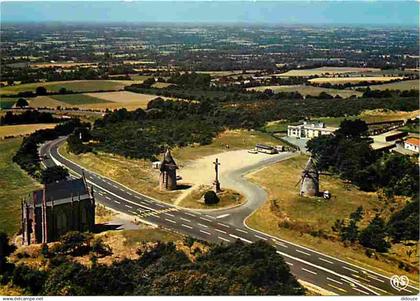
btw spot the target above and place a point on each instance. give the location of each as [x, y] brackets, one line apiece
[403, 225]
[28, 117]
[27, 156]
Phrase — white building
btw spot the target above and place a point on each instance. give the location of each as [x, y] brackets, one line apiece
[309, 129]
[412, 144]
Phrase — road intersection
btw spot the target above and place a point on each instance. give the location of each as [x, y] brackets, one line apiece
[226, 226]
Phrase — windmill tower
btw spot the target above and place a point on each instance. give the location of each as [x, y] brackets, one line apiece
[309, 182]
[168, 167]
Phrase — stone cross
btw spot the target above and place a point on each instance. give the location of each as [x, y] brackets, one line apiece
[216, 181]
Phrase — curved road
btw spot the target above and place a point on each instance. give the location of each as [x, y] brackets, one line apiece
[329, 273]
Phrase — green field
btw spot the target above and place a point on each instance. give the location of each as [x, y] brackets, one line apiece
[78, 99]
[76, 86]
[7, 103]
[14, 185]
[401, 85]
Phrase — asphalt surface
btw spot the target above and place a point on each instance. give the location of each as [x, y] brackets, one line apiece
[226, 226]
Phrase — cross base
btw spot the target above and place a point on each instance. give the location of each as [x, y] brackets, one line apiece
[216, 185]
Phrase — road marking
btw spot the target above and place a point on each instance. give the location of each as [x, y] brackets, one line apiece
[309, 271]
[157, 216]
[333, 280]
[129, 193]
[260, 237]
[160, 205]
[240, 230]
[212, 217]
[185, 220]
[190, 214]
[205, 232]
[128, 206]
[344, 267]
[280, 244]
[361, 278]
[289, 263]
[221, 224]
[186, 226]
[377, 288]
[132, 212]
[220, 230]
[241, 238]
[202, 225]
[375, 278]
[338, 288]
[169, 220]
[223, 215]
[359, 290]
[224, 239]
[323, 259]
[100, 193]
[205, 219]
[107, 197]
[169, 214]
[118, 202]
[299, 251]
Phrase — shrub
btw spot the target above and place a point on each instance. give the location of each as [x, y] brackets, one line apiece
[211, 198]
[53, 174]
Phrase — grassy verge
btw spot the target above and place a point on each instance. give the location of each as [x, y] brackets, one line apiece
[308, 221]
[136, 174]
[14, 185]
[228, 198]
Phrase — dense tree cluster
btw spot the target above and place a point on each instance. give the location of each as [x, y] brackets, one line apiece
[192, 80]
[27, 155]
[373, 236]
[349, 154]
[267, 106]
[234, 269]
[390, 93]
[404, 224]
[27, 117]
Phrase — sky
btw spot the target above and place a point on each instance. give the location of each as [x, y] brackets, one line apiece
[380, 12]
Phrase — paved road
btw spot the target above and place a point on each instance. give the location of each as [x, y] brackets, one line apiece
[308, 265]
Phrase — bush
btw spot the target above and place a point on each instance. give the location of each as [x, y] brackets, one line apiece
[73, 243]
[211, 198]
[22, 102]
[53, 174]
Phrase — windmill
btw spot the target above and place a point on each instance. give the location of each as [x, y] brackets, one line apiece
[309, 181]
[168, 167]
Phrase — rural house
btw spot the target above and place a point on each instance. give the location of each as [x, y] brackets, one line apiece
[412, 144]
[307, 129]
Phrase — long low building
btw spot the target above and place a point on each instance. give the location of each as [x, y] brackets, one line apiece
[308, 129]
